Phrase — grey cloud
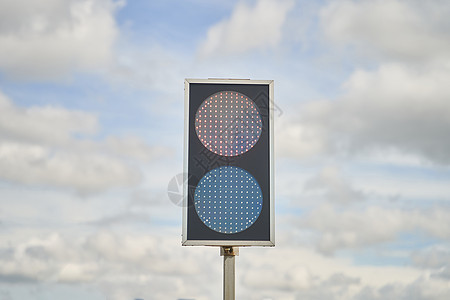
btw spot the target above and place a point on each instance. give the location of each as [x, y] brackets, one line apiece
[6, 253]
[443, 273]
[355, 228]
[421, 289]
[130, 265]
[413, 31]
[16, 279]
[5, 295]
[38, 252]
[402, 106]
[118, 264]
[436, 257]
[394, 107]
[340, 279]
[336, 188]
[122, 218]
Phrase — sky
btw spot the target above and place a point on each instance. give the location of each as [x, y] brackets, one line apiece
[91, 134]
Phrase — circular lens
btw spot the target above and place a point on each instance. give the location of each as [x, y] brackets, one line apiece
[228, 123]
[228, 199]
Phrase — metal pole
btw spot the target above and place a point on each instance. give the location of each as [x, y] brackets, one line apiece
[229, 254]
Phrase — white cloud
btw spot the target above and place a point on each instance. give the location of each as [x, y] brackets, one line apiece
[48, 124]
[48, 39]
[38, 147]
[36, 164]
[248, 28]
[147, 67]
[411, 30]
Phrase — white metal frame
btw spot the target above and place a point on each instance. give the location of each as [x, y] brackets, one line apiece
[186, 242]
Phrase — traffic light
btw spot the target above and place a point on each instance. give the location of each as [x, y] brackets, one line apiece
[228, 163]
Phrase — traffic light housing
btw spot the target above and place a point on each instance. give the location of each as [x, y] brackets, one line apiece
[228, 163]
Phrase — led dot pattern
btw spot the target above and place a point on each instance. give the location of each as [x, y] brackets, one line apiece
[228, 199]
[228, 123]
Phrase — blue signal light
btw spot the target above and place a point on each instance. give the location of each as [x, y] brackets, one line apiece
[228, 199]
